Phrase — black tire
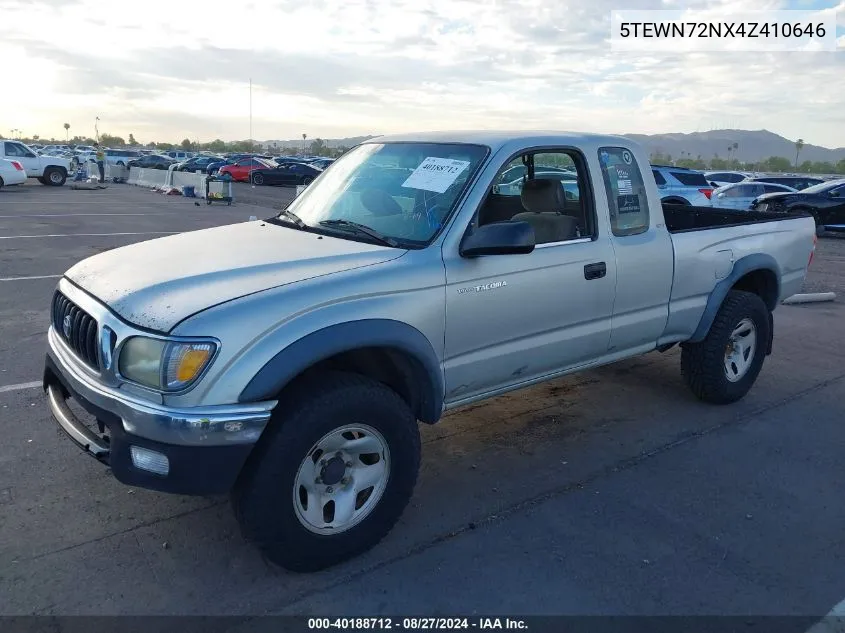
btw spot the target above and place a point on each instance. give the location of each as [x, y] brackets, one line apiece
[703, 364]
[1, 182]
[257, 179]
[54, 177]
[41, 180]
[263, 496]
[307, 180]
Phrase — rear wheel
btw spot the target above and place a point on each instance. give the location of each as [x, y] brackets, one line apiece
[333, 473]
[722, 368]
[257, 179]
[54, 177]
[307, 180]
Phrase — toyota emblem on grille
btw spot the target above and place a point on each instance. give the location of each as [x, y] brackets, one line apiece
[66, 326]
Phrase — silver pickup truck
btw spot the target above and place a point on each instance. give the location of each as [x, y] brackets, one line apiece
[288, 360]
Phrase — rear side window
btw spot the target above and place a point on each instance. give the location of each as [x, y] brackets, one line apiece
[658, 177]
[691, 178]
[626, 197]
[773, 189]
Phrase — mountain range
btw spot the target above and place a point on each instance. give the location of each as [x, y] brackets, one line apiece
[751, 145]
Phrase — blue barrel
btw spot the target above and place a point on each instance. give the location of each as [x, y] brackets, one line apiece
[189, 192]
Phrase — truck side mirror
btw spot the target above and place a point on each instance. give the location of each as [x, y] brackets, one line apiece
[499, 238]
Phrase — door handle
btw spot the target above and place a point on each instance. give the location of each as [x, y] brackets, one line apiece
[595, 271]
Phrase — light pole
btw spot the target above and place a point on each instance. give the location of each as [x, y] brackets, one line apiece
[96, 130]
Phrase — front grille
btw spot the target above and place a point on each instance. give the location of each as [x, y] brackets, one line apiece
[77, 328]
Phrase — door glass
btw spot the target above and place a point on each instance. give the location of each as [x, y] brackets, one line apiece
[12, 149]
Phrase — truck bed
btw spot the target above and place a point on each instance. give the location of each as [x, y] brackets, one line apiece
[682, 217]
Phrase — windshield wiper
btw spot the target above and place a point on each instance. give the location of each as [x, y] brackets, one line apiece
[362, 228]
[290, 216]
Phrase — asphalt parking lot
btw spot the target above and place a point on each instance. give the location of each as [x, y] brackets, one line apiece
[608, 492]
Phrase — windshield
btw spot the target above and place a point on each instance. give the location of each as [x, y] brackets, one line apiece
[823, 186]
[405, 191]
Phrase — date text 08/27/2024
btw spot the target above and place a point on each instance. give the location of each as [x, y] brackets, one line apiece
[415, 624]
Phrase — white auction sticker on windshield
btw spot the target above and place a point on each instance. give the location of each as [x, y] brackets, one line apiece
[435, 174]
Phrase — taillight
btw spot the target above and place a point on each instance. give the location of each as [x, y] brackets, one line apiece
[813, 252]
[17, 165]
[707, 192]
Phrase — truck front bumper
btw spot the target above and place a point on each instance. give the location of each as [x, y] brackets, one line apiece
[195, 451]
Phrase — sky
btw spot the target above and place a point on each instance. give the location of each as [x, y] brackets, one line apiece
[168, 70]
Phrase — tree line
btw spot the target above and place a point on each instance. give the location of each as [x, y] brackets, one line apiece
[317, 147]
[772, 164]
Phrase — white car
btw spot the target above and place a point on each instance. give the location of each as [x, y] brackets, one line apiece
[740, 195]
[723, 178]
[11, 173]
[569, 180]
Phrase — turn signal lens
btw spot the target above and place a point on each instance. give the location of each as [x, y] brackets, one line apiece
[185, 361]
[191, 363]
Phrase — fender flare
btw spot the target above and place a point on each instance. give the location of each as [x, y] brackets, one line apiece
[743, 266]
[345, 337]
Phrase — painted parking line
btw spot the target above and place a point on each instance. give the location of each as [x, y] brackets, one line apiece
[28, 278]
[19, 237]
[20, 386]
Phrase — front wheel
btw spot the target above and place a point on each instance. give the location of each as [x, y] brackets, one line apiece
[333, 473]
[257, 179]
[722, 368]
[307, 180]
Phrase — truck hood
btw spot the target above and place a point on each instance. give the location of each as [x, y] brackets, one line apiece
[158, 283]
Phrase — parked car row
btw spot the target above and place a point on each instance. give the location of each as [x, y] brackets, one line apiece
[824, 201]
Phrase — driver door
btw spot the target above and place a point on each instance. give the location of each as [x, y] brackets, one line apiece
[515, 318]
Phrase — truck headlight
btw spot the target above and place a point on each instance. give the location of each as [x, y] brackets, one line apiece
[164, 365]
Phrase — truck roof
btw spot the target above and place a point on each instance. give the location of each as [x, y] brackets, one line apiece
[497, 139]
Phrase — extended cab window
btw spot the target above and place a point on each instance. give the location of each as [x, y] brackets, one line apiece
[553, 201]
[626, 196]
[18, 150]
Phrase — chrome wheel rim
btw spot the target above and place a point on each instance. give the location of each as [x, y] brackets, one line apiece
[55, 177]
[258, 179]
[342, 479]
[739, 352]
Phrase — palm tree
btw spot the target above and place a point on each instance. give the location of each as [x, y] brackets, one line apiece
[67, 127]
[799, 145]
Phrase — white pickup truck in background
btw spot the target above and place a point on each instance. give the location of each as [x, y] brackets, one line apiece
[49, 170]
